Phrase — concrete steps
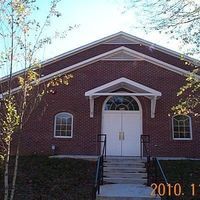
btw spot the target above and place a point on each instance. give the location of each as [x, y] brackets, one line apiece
[125, 178]
[125, 175]
[124, 171]
[134, 180]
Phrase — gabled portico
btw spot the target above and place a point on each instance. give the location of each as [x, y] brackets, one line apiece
[136, 89]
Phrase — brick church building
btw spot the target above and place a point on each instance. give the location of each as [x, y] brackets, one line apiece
[122, 86]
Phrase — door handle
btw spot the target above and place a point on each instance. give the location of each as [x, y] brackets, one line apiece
[121, 135]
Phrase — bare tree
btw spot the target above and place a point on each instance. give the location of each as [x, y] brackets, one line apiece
[180, 20]
[21, 38]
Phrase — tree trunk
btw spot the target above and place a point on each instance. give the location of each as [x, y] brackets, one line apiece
[6, 175]
[15, 168]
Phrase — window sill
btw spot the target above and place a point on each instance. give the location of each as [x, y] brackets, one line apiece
[182, 139]
[63, 137]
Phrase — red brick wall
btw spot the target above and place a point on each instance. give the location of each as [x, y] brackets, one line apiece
[38, 135]
[85, 54]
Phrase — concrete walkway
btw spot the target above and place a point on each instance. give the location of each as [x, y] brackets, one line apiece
[125, 192]
[83, 157]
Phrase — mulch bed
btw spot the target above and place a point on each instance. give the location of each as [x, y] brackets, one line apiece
[44, 178]
[182, 172]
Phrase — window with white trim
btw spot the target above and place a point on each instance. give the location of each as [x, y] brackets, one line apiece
[182, 127]
[63, 125]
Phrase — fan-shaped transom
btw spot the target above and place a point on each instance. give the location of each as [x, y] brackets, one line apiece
[127, 103]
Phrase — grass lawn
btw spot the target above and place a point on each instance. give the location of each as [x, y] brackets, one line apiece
[53, 179]
[185, 173]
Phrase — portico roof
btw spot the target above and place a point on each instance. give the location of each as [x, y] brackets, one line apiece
[136, 89]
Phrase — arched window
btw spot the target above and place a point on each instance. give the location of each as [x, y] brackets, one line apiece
[122, 103]
[182, 127]
[63, 125]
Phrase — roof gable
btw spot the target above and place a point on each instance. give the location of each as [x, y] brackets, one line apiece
[123, 83]
[106, 55]
[122, 51]
[122, 55]
[120, 38]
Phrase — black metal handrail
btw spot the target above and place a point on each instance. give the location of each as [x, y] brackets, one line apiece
[157, 166]
[157, 163]
[99, 166]
[102, 140]
[144, 140]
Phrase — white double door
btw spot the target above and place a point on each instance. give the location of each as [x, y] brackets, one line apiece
[123, 130]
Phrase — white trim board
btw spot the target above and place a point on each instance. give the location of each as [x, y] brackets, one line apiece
[108, 40]
[122, 81]
[103, 55]
[121, 94]
[136, 40]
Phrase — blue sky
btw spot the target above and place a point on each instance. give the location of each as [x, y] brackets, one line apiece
[96, 19]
